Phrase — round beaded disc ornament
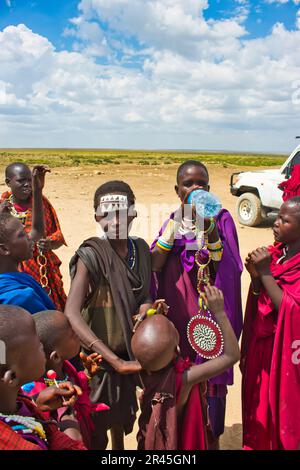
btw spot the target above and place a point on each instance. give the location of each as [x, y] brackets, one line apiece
[205, 337]
[204, 334]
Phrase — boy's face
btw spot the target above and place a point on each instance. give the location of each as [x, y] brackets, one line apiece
[69, 347]
[194, 177]
[286, 228]
[115, 223]
[21, 184]
[18, 246]
[30, 359]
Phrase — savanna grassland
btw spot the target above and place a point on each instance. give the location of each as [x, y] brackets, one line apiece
[77, 157]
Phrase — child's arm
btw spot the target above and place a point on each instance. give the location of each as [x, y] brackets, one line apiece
[38, 182]
[78, 292]
[164, 245]
[214, 367]
[261, 259]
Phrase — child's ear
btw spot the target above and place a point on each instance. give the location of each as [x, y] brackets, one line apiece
[4, 251]
[176, 189]
[134, 214]
[208, 187]
[7, 182]
[10, 378]
[55, 357]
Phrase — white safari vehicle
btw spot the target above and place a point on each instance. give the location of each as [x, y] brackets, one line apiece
[257, 191]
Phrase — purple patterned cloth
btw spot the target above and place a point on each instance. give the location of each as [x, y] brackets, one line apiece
[177, 283]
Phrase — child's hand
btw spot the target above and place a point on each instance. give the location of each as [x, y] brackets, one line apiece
[38, 176]
[261, 259]
[215, 300]
[54, 397]
[45, 244]
[250, 266]
[91, 362]
[161, 307]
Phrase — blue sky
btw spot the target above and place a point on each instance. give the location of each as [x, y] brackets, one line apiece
[140, 73]
[50, 17]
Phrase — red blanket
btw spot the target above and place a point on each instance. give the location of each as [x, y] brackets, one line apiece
[271, 375]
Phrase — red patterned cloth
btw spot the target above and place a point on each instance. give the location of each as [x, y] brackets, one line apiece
[57, 440]
[53, 231]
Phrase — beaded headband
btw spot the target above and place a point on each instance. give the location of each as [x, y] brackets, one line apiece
[112, 203]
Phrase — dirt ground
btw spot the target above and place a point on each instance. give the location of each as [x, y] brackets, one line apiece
[71, 191]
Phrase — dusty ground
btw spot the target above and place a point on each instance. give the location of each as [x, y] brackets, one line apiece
[71, 192]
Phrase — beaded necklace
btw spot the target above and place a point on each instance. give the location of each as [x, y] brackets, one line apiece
[131, 257]
[24, 425]
[19, 215]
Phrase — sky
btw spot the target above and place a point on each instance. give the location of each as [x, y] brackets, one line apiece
[150, 74]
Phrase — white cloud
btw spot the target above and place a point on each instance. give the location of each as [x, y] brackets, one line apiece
[296, 2]
[204, 85]
[176, 25]
[298, 20]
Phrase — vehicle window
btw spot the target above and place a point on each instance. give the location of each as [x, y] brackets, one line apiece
[289, 168]
[296, 160]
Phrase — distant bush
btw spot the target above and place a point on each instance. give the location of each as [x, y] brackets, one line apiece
[73, 157]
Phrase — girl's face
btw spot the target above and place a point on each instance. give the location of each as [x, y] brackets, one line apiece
[192, 178]
[286, 228]
[116, 224]
[18, 246]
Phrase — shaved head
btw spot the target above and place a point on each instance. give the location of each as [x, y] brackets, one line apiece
[15, 324]
[16, 168]
[154, 343]
[294, 202]
[293, 205]
[52, 327]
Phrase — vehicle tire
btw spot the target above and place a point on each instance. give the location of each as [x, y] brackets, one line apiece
[249, 210]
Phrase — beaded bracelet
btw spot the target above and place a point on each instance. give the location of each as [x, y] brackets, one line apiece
[217, 255]
[216, 246]
[92, 343]
[167, 238]
[211, 227]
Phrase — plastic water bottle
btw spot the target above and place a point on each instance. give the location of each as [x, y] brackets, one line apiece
[206, 204]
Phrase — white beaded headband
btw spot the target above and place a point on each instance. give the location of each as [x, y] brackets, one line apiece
[112, 203]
